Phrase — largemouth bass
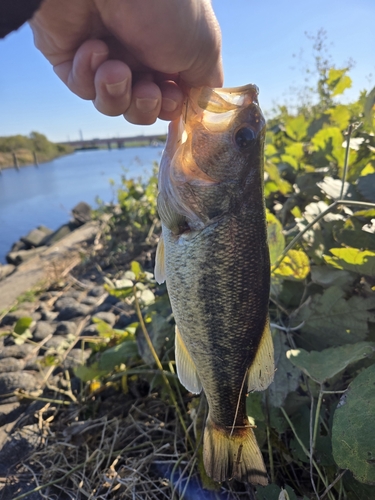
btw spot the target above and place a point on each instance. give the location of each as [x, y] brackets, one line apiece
[213, 254]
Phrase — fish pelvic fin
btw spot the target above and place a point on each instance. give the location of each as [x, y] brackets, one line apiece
[262, 370]
[160, 261]
[233, 456]
[186, 370]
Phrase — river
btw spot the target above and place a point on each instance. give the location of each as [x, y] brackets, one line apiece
[46, 194]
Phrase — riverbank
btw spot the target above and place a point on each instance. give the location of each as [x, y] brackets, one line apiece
[25, 157]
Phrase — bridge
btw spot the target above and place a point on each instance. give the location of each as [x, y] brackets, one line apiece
[118, 142]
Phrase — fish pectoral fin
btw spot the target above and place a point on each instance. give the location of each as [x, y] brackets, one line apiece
[160, 261]
[174, 221]
[262, 370]
[186, 370]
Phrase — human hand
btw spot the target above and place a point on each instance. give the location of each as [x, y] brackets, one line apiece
[131, 57]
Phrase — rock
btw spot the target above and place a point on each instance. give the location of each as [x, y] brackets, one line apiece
[76, 357]
[108, 317]
[71, 312]
[28, 306]
[90, 301]
[9, 382]
[35, 238]
[97, 291]
[82, 212]
[104, 307]
[47, 315]
[76, 294]
[49, 295]
[8, 412]
[11, 365]
[18, 245]
[63, 302]
[56, 342]
[6, 270]
[125, 320]
[12, 317]
[42, 330]
[16, 351]
[111, 299]
[90, 331]
[20, 256]
[46, 230]
[22, 442]
[60, 233]
[66, 328]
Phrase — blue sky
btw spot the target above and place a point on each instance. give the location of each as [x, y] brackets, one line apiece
[259, 40]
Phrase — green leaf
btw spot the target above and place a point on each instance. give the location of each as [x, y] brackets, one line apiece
[340, 116]
[159, 330]
[276, 240]
[296, 127]
[351, 234]
[115, 356]
[330, 320]
[296, 150]
[295, 266]
[87, 373]
[369, 107]
[274, 492]
[323, 365]
[352, 259]
[353, 436]
[287, 376]
[338, 81]
[136, 268]
[326, 276]
[22, 325]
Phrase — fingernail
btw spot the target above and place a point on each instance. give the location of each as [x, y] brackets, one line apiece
[146, 105]
[97, 58]
[117, 89]
[168, 104]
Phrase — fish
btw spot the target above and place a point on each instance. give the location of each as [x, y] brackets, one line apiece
[213, 256]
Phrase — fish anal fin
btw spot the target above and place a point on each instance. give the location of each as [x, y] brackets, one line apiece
[160, 262]
[262, 370]
[237, 455]
[186, 370]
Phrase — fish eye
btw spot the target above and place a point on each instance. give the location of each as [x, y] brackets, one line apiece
[244, 137]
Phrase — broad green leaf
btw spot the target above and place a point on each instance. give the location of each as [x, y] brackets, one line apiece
[115, 356]
[295, 150]
[352, 259]
[87, 373]
[370, 213]
[323, 365]
[274, 492]
[351, 234]
[23, 324]
[269, 150]
[296, 127]
[295, 266]
[338, 81]
[366, 186]
[368, 169]
[353, 436]
[326, 276]
[276, 240]
[290, 160]
[287, 376]
[340, 116]
[330, 320]
[274, 175]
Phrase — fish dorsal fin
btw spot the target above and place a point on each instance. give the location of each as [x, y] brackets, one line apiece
[186, 370]
[168, 215]
[262, 370]
[160, 261]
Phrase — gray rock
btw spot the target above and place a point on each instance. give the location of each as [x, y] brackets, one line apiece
[97, 291]
[71, 312]
[33, 364]
[46, 230]
[82, 212]
[42, 330]
[18, 245]
[66, 328]
[16, 351]
[104, 307]
[49, 295]
[57, 341]
[12, 317]
[22, 442]
[108, 317]
[11, 365]
[9, 382]
[6, 270]
[63, 302]
[125, 320]
[90, 301]
[47, 315]
[20, 256]
[76, 357]
[35, 238]
[90, 331]
[61, 233]
[76, 294]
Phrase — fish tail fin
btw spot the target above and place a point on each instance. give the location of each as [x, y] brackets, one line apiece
[234, 455]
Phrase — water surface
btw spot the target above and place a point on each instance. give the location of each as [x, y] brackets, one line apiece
[46, 194]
